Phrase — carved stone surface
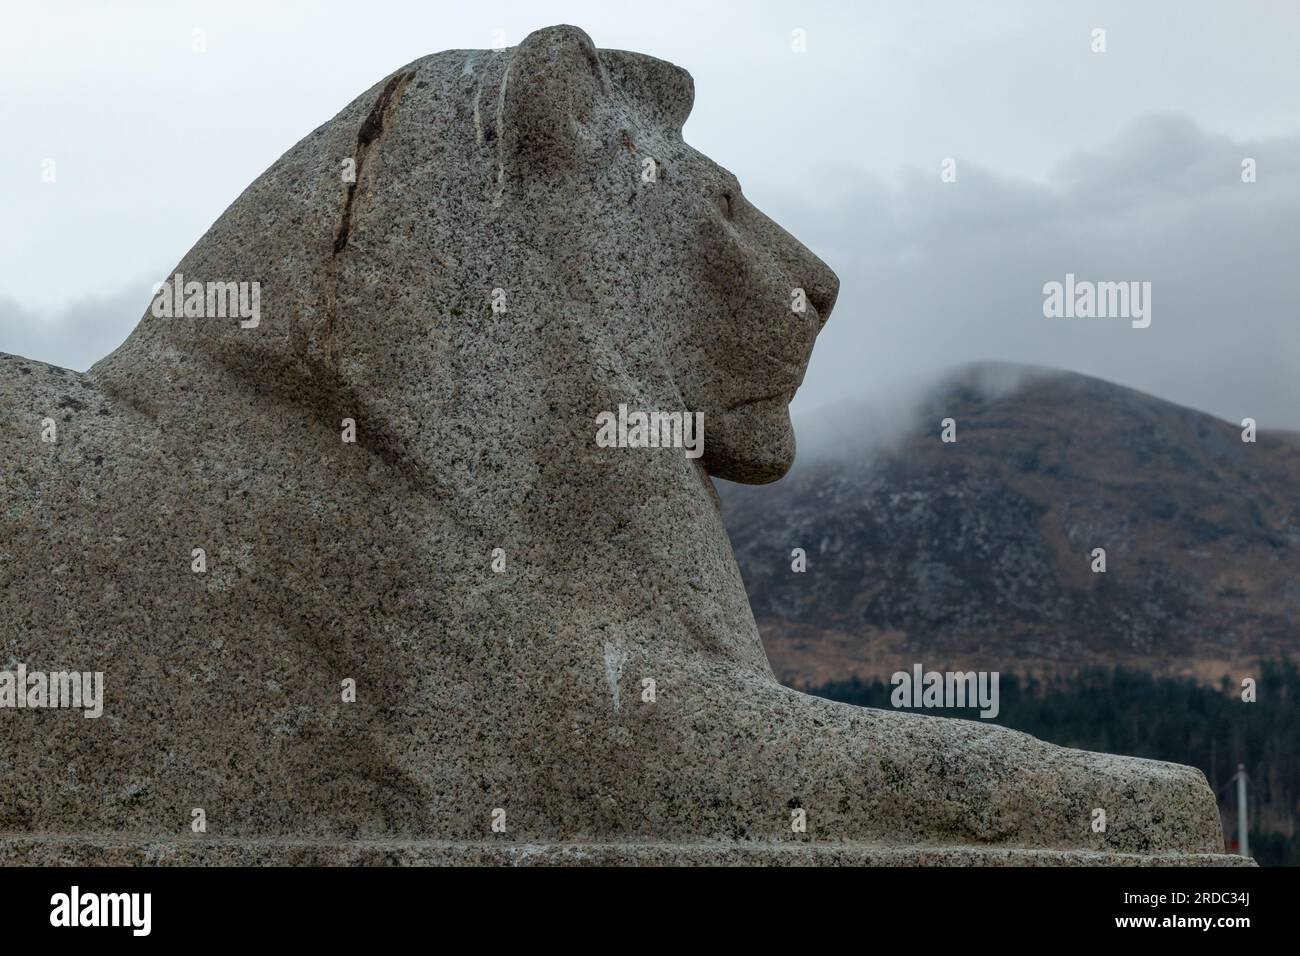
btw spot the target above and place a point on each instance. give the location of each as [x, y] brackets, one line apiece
[599, 680]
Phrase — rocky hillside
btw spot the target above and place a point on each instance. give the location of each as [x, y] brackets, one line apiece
[977, 554]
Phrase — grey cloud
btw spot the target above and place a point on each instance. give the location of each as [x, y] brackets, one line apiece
[77, 335]
[1167, 156]
[879, 420]
[936, 274]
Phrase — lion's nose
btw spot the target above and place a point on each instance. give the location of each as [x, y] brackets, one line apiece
[798, 263]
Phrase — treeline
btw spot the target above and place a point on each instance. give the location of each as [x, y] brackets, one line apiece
[1130, 712]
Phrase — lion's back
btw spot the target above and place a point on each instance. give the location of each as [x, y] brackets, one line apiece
[65, 447]
[42, 442]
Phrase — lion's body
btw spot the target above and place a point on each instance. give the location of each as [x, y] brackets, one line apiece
[523, 689]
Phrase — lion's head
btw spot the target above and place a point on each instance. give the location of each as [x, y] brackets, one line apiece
[551, 180]
[735, 300]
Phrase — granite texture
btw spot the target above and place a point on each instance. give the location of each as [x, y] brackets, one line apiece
[145, 851]
[478, 690]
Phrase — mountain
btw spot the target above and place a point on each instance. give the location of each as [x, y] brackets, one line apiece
[977, 554]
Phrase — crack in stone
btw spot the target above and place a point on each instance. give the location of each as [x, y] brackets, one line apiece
[371, 130]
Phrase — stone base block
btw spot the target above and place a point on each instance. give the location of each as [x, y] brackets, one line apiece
[59, 850]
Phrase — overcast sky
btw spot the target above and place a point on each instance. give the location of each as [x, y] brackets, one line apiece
[1114, 166]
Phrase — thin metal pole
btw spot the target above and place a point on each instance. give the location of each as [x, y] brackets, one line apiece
[1243, 839]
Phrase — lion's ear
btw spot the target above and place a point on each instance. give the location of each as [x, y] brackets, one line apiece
[551, 89]
[659, 89]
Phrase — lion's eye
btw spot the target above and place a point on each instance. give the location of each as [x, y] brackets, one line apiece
[728, 203]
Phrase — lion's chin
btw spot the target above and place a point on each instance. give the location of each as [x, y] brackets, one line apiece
[752, 445]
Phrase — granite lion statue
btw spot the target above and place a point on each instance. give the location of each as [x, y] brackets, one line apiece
[356, 573]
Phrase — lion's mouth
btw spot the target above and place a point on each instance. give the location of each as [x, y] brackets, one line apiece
[795, 370]
[786, 395]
